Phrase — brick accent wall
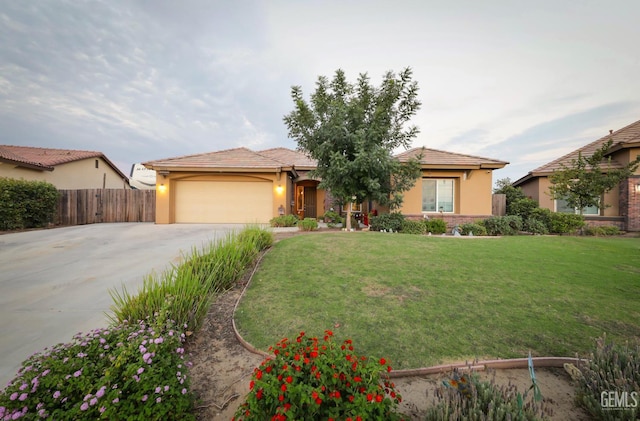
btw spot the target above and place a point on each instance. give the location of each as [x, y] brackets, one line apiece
[630, 203]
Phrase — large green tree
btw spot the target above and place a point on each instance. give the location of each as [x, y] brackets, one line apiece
[584, 181]
[351, 130]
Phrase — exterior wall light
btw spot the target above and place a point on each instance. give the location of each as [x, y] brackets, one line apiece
[279, 189]
[162, 188]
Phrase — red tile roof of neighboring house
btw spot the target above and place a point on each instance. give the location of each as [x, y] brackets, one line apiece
[628, 136]
[441, 159]
[47, 158]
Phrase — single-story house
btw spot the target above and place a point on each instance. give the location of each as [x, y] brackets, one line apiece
[244, 186]
[621, 206]
[67, 169]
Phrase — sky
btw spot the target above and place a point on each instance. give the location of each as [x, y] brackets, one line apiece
[139, 80]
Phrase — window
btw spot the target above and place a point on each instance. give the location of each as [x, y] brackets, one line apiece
[563, 207]
[437, 195]
[96, 163]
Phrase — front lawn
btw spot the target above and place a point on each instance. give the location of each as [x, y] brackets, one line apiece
[427, 300]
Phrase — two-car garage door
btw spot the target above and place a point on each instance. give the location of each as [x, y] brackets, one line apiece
[226, 202]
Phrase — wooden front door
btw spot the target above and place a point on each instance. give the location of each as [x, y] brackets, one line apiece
[310, 207]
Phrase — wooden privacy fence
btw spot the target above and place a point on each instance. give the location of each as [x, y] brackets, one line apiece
[90, 206]
[498, 204]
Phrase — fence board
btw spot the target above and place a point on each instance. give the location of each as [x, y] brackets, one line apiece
[90, 206]
[499, 204]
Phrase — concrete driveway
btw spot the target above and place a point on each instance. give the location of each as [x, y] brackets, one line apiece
[54, 283]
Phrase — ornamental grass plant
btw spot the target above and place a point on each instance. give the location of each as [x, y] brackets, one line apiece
[319, 379]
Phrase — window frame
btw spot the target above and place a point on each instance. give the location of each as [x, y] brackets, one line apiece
[437, 195]
[576, 211]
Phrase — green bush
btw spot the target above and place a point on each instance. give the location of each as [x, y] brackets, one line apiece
[467, 398]
[312, 379]
[610, 368]
[388, 222]
[284, 221]
[413, 227]
[132, 371]
[435, 226]
[503, 225]
[333, 217]
[535, 226]
[476, 229]
[523, 208]
[543, 215]
[308, 224]
[26, 204]
[602, 231]
[565, 223]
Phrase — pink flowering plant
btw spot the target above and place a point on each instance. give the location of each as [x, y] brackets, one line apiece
[319, 379]
[128, 371]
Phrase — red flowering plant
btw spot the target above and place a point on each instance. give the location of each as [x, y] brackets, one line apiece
[319, 379]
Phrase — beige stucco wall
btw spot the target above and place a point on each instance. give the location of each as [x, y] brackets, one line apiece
[472, 192]
[165, 199]
[81, 174]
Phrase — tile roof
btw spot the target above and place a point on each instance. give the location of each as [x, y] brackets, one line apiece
[626, 136]
[228, 158]
[441, 159]
[290, 157]
[44, 158]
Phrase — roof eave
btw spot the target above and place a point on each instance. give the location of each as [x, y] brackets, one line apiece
[32, 166]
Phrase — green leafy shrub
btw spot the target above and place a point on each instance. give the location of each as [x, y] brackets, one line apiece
[535, 226]
[602, 231]
[314, 379]
[614, 369]
[543, 215]
[284, 221]
[333, 217]
[387, 222]
[130, 371]
[522, 207]
[503, 225]
[476, 229]
[468, 398]
[413, 227]
[565, 223]
[26, 204]
[435, 226]
[308, 224]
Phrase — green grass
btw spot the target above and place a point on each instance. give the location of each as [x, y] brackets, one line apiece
[428, 300]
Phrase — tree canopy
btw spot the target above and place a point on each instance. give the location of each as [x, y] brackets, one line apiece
[351, 130]
[584, 181]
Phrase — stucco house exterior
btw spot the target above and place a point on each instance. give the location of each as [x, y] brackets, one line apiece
[244, 186]
[620, 206]
[67, 169]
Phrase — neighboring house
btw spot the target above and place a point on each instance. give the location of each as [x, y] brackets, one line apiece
[243, 186]
[620, 206]
[67, 169]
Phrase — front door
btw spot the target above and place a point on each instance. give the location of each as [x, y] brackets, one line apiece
[310, 208]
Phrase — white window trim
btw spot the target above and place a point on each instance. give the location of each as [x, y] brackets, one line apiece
[453, 196]
[576, 211]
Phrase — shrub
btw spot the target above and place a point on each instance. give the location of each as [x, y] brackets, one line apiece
[565, 223]
[602, 231]
[535, 226]
[413, 227]
[503, 225]
[522, 207]
[435, 226]
[26, 204]
[387, 222]
[476, 229]
[468, 398]
[308, 224]
[333, 217]
[129, 371]
[543, 215]
[610, 368]
[284, 221]
[319, 379]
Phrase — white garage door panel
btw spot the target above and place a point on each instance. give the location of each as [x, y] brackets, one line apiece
[230, 202]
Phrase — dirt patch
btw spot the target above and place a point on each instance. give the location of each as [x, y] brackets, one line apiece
[222, 368]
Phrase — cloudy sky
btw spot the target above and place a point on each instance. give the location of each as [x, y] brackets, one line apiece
[141, 80]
